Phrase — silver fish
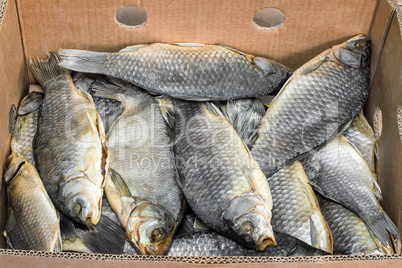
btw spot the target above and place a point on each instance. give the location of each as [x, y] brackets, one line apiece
[315, 103]
[186, 71]
[70, 148]
[32, 220]
[208, 243]
[22, 141]
[296, 211]
[221, 181]
[340, 173]
[361, 136]
[142, 188]
[351, 235]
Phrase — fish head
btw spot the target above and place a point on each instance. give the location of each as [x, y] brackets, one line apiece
[249, 218]
[150, 229]
[355, 52]
[276, 72]
[82, 200]
[30, 103]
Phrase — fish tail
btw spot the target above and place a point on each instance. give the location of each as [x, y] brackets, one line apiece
[83, 60]
[382, 227]
[45, 70]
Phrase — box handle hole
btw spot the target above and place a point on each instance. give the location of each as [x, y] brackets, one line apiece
[269, 19]
[131, 17]
[377, 123]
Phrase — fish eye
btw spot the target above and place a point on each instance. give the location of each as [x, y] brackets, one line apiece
[247, 227]
[157, 235]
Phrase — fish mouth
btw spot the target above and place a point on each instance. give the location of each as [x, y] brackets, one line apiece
[155, 250]
[264, 241]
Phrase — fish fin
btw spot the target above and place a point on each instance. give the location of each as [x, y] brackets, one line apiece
[132, 48]
[13, 165]
[85, 94]
[119, 196]
[199, 225]
[83, 60]
[167, 109]
[376, 189]
[67, 228]
[314, 66]
[234, 50]
[109, 237]
[12, 119]
[377, 153]
[245, 116]
[31, 103]
[382, 227]
[45, 70]
[396, 244]
[318, 190]
[118, 181]
[213, 108]
[188, 44]
[108, 91]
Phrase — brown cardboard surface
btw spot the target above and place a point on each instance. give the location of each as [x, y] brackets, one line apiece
[386, 94]
[46, 259]
[311, 26]
[13, 85]
[378, 29]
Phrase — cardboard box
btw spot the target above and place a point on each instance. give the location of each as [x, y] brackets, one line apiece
[30, 28]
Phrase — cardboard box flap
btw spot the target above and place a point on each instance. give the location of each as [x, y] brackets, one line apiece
[382, 112]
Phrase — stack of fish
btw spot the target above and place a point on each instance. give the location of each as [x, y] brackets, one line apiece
[165, 149]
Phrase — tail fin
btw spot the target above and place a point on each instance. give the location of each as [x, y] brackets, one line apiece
[382, 227]
[45, 70]
[83, 60]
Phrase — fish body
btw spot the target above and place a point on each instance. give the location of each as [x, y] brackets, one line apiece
[340, 173]
[70, 147]
[32, 220]
[361, 136]
[314, 104]
[142, 189]
[208, 243]
[296, 211]
[186, 71]
[222, 183]
[22, 141]
[351, 235]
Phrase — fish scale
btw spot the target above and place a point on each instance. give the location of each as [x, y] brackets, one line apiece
[193, 72]
[317, 100]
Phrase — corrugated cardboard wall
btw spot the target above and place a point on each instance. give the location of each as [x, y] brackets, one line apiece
[311, 25]
[13, 85]
[386, 95]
